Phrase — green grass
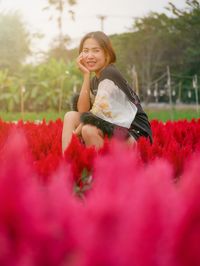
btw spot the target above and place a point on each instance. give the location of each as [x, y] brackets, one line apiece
[31, 116]
[160, 113]
[174, 114]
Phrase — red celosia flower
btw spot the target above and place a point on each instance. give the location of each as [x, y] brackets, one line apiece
[135, 212]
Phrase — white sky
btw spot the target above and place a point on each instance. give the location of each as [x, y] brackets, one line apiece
[119, 16]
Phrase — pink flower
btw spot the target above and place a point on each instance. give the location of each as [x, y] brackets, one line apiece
[187, 233]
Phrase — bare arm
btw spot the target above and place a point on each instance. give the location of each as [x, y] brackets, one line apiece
[83, 104]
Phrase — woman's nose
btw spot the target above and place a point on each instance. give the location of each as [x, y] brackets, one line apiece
[90, 54]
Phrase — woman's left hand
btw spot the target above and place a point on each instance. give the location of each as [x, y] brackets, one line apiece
[81, 65]
[77, 131]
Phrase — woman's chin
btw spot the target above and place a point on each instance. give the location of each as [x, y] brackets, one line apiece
[91, 67]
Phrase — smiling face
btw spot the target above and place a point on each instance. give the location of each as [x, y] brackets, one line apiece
[94, 57]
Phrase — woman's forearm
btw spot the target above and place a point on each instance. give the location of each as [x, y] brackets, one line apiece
[83, 104]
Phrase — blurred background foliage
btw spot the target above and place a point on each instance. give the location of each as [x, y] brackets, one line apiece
[154, 44]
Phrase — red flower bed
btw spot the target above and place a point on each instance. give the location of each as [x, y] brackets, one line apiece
[141, 208]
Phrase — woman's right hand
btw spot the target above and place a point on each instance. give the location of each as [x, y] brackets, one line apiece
[81, 65]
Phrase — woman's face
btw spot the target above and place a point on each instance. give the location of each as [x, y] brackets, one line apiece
[94, 58]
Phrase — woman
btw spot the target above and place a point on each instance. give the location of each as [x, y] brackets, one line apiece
[107, 105]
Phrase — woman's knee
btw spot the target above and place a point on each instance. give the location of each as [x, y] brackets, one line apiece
[71, 116]
[89, 131]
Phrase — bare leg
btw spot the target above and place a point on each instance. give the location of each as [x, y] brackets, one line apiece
[92, 136]
[71, 122]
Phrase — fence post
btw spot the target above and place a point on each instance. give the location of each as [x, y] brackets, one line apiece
[179, 91]
[22, 91]
[169, 91]
[135, 80]
[195, 86]
[60, 95]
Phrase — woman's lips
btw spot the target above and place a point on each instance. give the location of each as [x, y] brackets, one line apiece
[91, 63]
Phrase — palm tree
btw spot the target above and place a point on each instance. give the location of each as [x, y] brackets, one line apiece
[59, 6]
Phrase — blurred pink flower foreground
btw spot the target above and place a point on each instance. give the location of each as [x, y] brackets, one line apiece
[141, 208]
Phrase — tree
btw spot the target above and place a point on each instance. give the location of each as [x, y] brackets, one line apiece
[158, 41]
[14, 41]
[58, 50]
[187, 26]
[61, 41]
[144, 48]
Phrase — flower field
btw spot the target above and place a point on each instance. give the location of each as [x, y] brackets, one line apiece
[142, 206]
